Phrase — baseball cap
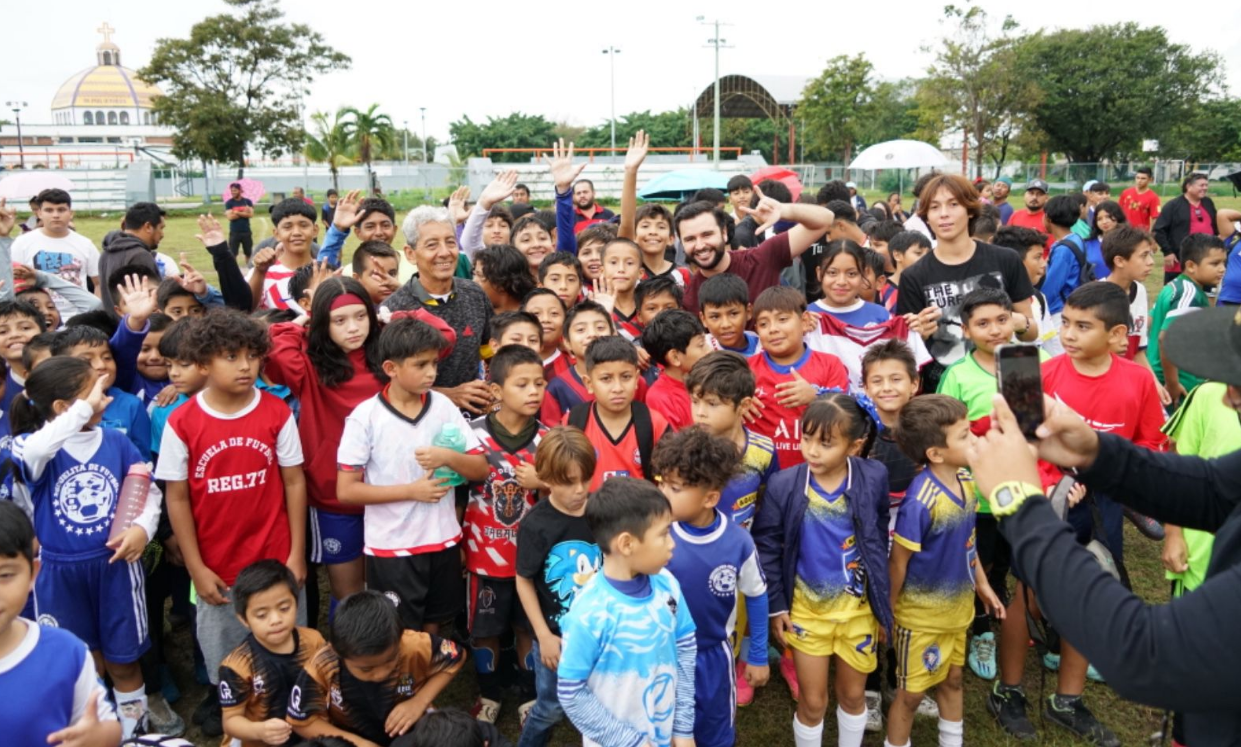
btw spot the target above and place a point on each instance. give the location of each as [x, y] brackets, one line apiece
[1036, 184]
[851, 185]
[1207, 344]
[1086, 187]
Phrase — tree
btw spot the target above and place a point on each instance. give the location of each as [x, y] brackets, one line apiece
[833, 106]
[329, 143]
[670, 129]
[1211, 132]
[235, 84]
[517, 130]
[369, 132]
[1105, 89]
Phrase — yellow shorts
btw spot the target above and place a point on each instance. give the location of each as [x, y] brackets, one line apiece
[855, 641]
[923, 659]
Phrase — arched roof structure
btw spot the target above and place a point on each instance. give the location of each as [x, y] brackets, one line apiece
[752, 97]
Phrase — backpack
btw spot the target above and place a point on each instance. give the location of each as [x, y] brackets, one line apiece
[644, 430]
[1086, 272]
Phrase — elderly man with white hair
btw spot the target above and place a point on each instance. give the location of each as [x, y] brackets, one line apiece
[432, 248]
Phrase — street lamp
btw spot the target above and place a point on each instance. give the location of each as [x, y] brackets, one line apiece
[423, 109]
[17, 107]
[405, 129]
[716, 42]
[611, 52]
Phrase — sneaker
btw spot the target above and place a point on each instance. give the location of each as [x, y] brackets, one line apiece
[1148, 527]
[485, 709]
[789, 670]
[160, 719]
[1008, 705]
[1075, 717]
[874, 711]
[523, 711]
[982, 655]
[1093, 675]
[745, 693]
[928, 708]
[1051, 662]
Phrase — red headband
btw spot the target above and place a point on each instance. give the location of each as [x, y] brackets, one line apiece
[347, 299]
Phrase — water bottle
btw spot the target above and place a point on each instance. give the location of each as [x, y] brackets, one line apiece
[450, 437]
[133, 499]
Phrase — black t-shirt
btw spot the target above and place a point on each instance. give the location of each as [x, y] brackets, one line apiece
[810, 263]
[930, 282]
[901, 469]
[558, 553]
[238, 225]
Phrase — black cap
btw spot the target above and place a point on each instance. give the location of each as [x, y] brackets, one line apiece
[1207, 343]
[1036, 184]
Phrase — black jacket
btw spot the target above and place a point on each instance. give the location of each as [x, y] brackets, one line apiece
[1182, 655]
[120, 249]
[1172, 225]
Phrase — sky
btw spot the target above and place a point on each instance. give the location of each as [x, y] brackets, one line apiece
[489, 58]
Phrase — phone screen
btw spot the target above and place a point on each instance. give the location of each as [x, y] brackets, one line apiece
[1021, 383]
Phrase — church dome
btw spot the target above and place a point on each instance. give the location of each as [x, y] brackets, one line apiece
[107, 84]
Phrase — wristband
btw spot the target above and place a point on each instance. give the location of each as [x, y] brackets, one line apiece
[1007, 497]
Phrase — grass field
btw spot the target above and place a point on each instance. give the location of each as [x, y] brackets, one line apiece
[767, 721]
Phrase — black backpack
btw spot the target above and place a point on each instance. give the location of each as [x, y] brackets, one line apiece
[1086, 272]
[579, 416]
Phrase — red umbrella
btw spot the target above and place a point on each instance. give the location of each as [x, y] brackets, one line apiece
[782, 175]
[251, 189]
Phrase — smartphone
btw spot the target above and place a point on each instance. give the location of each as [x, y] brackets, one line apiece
[1021, 383]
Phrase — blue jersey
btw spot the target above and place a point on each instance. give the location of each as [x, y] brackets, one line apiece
[740, 497]
[45, 683]
[1230, 289]
[752, 345]
[159, 419]
[830, 583]
[126, 414]
[860, 314]
[13, 386]
[938, 527]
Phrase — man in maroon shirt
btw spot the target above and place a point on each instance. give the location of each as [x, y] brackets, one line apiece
[588, 211]
[701, 228]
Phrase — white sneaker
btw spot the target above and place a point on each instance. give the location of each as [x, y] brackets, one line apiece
[874, 711]
[486, 710]
[523, 711]
[928, 708]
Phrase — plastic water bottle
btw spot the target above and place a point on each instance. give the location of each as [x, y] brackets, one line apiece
[133, 499]
[450, 437]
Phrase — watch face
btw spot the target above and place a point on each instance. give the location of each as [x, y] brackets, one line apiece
[1004, 497]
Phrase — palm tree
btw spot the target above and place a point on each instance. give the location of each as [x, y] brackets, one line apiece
[329, 143]
[369, 132]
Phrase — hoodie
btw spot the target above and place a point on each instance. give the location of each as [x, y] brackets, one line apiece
[120, 249]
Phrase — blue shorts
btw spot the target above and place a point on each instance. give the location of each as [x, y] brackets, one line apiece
[334, 538]
[715, 697]
[103, 604]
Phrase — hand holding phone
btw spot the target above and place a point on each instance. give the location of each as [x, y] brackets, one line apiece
[1020, 375]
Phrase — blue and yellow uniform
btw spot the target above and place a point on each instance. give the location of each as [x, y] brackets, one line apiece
[935, 606]
[739, 500]
[830, 612]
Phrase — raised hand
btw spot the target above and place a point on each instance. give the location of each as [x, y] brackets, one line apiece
[603, 294]
[766, 212]
[190, 279]
[138, 295]
[499, 190]
[639, 145]
[268, 257]
[564, 171]
[347, 212]
[8, 218]
[456, 205]
[24, 274]
[211, 233]
[98, 398]
[322, 271]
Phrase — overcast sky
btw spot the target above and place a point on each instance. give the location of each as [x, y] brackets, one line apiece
[490, 58]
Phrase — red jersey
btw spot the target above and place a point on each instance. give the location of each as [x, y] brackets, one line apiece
[1123, 401]
[627, 324]
[555, 365]
[670, 398]
[498, 504]
[1140, 209]
[783, 424]
[618, 457]
[232, 464]
[567, 391]
[1026, 219]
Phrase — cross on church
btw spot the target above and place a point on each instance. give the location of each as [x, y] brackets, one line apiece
[107, 32]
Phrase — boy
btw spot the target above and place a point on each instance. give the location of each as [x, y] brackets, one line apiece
[1067, 266]
[623, 431]
[724, 301]
[183, 377]
[583, 324]
[740, 191]
[880, 235]
[556, 555]
[516, 328]
[934, 568]
[622, 268]
[125, 412]
[1203, 257]
[676, 340]
[627, 665]
[789, 374]
[139, 368]
[561, 273]
[231, 460]
[875, 276]
[653, 232]
[1024, 241]
[176, 301]
[375, 680]
[715, 563]
[329, 208]
[550, 310]
[590, 243]
[376, 266]
[655, 295]
[51, 691]
[493, 517]
[410, 523]
[56, 248]
[294, 222]
[1130, 255]
[37, 287]
[19, 323]
[258, 676]
[904, 249]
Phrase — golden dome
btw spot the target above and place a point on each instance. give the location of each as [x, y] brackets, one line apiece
[105, 86]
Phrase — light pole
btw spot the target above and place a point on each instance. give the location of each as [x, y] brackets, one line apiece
[611, 52]
[423, 109]
[17, 107]
[405, 129]
[716, 42]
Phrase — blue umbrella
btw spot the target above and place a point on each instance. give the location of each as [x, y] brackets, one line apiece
[677, 185]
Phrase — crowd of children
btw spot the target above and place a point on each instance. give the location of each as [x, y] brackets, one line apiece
[540, 459]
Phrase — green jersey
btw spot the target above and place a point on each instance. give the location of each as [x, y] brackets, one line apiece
[1179, 297]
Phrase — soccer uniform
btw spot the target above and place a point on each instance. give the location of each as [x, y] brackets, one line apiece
[564, 392]
[860, 313]
[555, 365]
[276, 289]
[670, 398]
[126, 414]
[619, 456]
[831, 614]
[740, 497]
[752, 345]
[627, 324]
[935, 606]
[1179, 297]
[326, 691]
[255, 683]
[849, 342]
[73, 482]
[783, 424]
[1139, 330]
[714, 565]
[1140, 208]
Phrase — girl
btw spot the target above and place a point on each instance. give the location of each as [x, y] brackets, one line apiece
[1107, 215]
[504, 275]
[894, 205]
[841, 273]
[533, 239]
[822, 537]
[547, 307]
[68, 476]
[622, 267]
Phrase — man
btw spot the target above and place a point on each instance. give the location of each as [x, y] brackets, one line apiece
[239, 210]
[588, 211]
[56, 248]
[329, 208]
[521, 195]
[701, 228]
[1035, 198]
[999, 198]
[1192, 212]
[856, 200]
[1140, 203]
[134, 244]
[300, 194]
[1097, 192]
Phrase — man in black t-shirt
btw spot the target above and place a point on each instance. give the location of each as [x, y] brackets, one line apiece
[239, 210]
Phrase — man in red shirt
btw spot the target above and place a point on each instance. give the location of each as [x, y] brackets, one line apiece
[1141, 204]
[588, 211]
[1035, 198]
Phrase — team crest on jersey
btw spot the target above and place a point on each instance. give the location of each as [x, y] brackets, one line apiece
[637, 456]
[931, 658]
[508, 500]
[448, 649]
[331, 546]
[258, 684]
[85, 496]
[405, 686]
[226, 692]
[723, 581]
[48, 621]
[335, 696]
[486, 597]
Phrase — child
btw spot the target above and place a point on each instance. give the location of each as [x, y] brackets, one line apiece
[1203, 257]
[493, 517]
[48, 680]
[875, 276]
[1024, 241]
[56, 248]
[821, 534]
[295, 231]
[37, 287]
[176, 301]
[556, 555]
[257, 678]
[504, 275]
[561, 273]
[904, 249]
[244, 500]
[516, 328]
[1130, 256]
[549, 309]
[534, 240]
[622, 267]
[140, 370]
[124, 412]
[789, 374]
[934, 569]
[590, 243]
[19, 323]
[654, 236]
[676, 341]
[410, 519]
[375, 680]
[376, 266]
[842, 275]
[725, 303]
[183, 377]
[716, 561]
[619, 427]
[626, 673]
[654, 295]
[1067, 266]
[583, 324]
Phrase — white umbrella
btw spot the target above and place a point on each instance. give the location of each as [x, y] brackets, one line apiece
[27, 184]
[899, 154]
